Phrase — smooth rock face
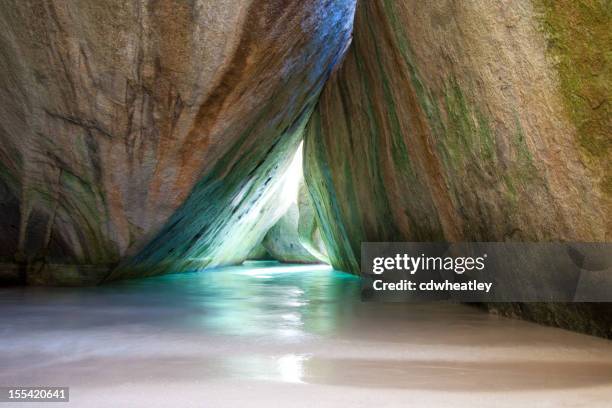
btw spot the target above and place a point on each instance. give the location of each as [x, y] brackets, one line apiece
[308, 229]
[451, 121]
[259, 253]
[283, 242]
[158, 129]
[295, 237]
[447, 121]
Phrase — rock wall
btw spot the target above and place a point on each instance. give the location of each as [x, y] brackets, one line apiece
[466, 121]
[152, 135]
[308, 229]
[259, 253]
[282, 241]
[295, 237]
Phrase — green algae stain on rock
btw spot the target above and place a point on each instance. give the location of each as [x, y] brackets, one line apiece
[455, 105]
[184, 135]
[580, 46]
[467, 135]
[317, 175]
[408, 151]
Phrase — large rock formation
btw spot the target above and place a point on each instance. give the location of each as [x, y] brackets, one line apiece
[308, 229]
[152, 135]
[282, 241]
[155, 136]
[296, 238]
[466, 121]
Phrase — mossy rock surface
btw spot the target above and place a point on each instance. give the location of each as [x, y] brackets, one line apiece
[467, 121]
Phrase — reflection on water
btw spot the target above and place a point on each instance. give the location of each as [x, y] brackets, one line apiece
[252, 305]
[258, 298]
[255, 299]
[270, 298]
[270, 325]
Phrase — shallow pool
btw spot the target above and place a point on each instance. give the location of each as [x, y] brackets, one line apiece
[266, 334]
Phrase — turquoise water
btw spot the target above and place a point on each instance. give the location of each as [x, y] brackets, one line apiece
[253, 299]
[269, 334]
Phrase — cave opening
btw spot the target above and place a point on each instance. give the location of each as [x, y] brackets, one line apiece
[294, 238]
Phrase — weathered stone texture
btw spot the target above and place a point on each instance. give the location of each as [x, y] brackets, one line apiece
[119, 116]
[468, 121]
[283, 242]
[447, 122]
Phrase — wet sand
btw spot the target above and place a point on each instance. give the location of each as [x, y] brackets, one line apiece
[297, 336]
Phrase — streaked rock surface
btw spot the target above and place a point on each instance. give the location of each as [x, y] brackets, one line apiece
[157, 129]
[308, 229]
[283, 242]
[295, 237]
[466, 121]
